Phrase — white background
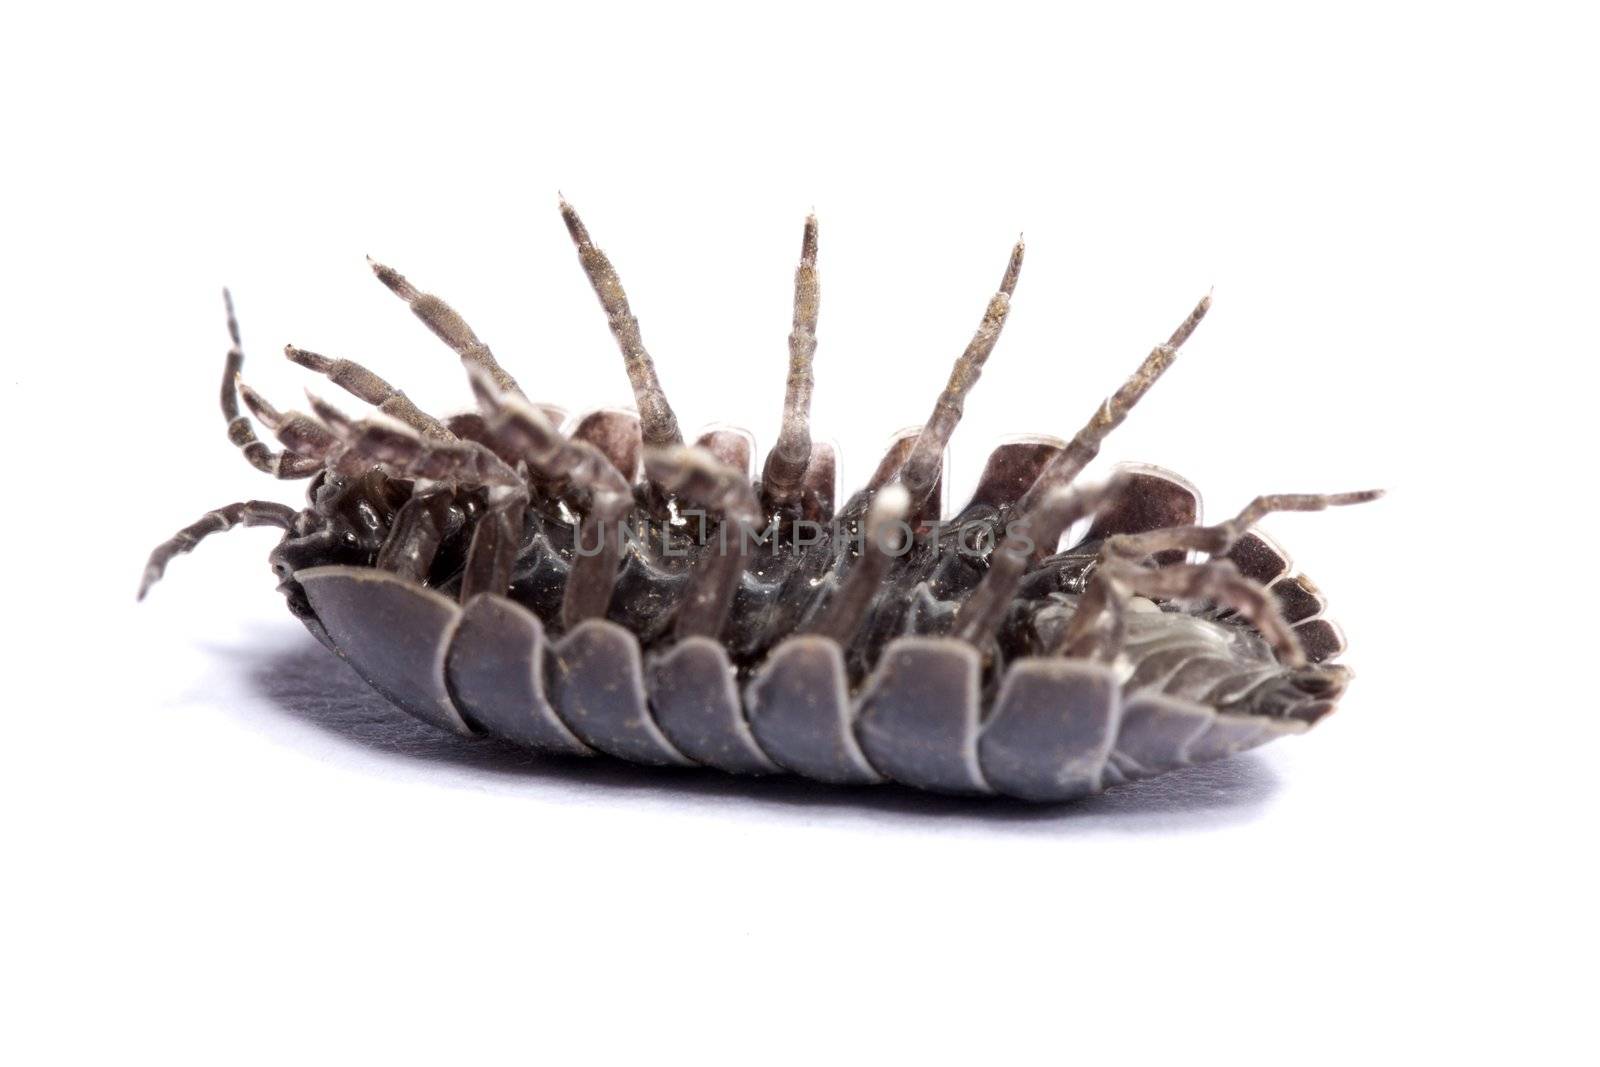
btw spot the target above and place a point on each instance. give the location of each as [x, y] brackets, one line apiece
[220, 848]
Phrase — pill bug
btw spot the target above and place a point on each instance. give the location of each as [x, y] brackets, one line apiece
[596, 585]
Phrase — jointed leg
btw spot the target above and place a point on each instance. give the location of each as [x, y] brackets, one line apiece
[450, 327]
[1218, 539]
[283, 465]
[248, 512]
[1043, 496]
[419, 529]
[921, 468]
[299, 433]
[493, 553]
[981, 615]
[1085, 444]
[520, 429]
[399, 447]
[656, 420]
[842, 616]
[572, 469]
[783, 478]
[1096, 629]
[594, 567]
[357, 380]
[696, 475]
[416, 534]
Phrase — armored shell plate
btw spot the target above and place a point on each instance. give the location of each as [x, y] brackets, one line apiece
[596, 682]
[1052, 728]
[801, 713]
[918, 715]
[394, 633]
[496, 672]
[695, 700]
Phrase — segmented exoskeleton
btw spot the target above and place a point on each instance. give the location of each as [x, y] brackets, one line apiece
[597, 585]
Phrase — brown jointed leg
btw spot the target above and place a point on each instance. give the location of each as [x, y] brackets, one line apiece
[1124, 570]
[657, 423]
[695, 475]
[492, 556]
[1217, 581]
[246, 512]
[1085, 444]
[579, 473]
[362, 383]
[842, 616]
[1220, 538]
[406, 453]
[447, 325]
[300, 434]
[282, 465]
[920, 471]
[782, 481]
[980, 616]
[417, 533]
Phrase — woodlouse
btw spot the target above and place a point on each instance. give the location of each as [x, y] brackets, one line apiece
[594, 585]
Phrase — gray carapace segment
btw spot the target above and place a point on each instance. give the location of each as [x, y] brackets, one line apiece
[603, 585]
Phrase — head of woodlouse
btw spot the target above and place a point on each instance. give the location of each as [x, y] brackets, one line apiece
[597, 585]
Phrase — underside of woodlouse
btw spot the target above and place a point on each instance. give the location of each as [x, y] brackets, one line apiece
[596, 585]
